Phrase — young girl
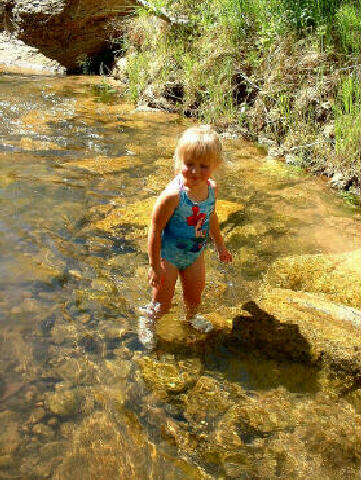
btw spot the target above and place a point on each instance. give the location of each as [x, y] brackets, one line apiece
[183, 217]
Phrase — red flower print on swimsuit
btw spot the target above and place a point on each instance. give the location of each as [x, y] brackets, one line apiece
[197, 220]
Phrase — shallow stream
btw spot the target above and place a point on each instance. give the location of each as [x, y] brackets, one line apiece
[80, 398]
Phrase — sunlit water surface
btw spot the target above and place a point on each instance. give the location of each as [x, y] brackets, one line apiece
[77, 165]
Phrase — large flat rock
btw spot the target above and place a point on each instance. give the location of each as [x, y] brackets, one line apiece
[336, 276]
[65, 31]
[303, 327]
[17, 57]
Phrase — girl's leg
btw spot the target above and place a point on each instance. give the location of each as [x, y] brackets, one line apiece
[165, 291]
[193, 283]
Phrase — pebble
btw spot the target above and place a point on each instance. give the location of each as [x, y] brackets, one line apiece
[6, 461]
[37, 415]
[16, 310]
[84, 318]
[43, 430]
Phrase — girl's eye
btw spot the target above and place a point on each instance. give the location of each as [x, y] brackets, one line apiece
[204, 166]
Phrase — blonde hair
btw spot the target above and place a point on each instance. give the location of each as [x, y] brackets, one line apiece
[199, 142]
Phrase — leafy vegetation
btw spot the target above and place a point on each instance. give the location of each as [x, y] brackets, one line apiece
[103, 92]
[348, 118]
[283, 68]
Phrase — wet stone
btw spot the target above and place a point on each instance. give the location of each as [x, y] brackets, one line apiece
[113, 397]
[117, 369]
[63, 333]
[205, 402]
[6, 461]
[47, 324]
[169, 377]
[64, 403]
[66, 429]
[337, 276]
[51, 449]
[90, 344]
[43, 431]
[85, 318]
[78, 370]
[37, 415]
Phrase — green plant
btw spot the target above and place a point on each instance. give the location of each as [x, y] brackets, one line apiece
[138, 74]
[348, 119]
[228, 36]
[103, 92]
[84, 64]
[351, 199]
[348, 19]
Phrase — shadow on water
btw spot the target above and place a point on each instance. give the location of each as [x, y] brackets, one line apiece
[259, 353]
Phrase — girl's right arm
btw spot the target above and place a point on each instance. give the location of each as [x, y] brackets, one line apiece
[162, 212]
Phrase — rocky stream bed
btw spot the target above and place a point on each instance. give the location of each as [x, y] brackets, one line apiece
[273, 392]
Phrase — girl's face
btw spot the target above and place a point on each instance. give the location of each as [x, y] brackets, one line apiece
[196, 170]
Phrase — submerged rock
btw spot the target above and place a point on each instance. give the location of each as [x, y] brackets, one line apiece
[338, 276]
[282, 325]
[106, 447]
[44, 431]
[10, 437]
[64, 403]
[102, 165]
[6, 461]
[206, 402]
[138, 214]
[317, 303]
[78, 371]
[51, 450]
[169, 377]
[261, 434]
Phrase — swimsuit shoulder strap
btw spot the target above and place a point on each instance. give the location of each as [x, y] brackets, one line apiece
[211, 196]
[211, 200]
[177, 184]
[182, 191]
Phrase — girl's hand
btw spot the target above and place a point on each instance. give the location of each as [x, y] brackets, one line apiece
[154, 277]
[224, 255]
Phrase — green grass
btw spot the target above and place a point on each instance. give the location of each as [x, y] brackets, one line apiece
[348, 20]
[226, 37]
[351, 199]
[348, 118]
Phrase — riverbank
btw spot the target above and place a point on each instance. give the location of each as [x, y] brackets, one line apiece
[287, 77]
[293, 87]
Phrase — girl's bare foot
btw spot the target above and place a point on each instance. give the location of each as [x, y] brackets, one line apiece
[200, 323]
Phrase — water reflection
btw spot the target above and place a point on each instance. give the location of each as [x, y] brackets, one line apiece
[80, 397]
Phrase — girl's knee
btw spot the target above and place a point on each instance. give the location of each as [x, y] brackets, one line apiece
[193, 287]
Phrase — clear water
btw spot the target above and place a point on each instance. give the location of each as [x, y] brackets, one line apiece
[76, 398]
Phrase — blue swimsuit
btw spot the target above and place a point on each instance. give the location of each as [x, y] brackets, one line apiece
[185, 235]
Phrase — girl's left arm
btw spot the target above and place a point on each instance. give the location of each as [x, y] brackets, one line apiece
[223, 254]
